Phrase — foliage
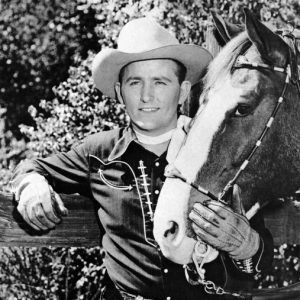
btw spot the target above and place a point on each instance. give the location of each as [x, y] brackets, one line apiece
[39, 40]
[285, 268]
[11, 151]
[50, 273]
[76, 111]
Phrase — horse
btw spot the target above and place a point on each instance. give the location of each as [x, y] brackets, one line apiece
[246, 131]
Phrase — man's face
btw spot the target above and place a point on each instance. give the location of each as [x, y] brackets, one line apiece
[151, 93]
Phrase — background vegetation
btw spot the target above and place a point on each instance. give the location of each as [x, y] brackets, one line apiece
[48, 102]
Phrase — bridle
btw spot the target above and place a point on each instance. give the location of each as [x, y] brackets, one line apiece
[292, 77]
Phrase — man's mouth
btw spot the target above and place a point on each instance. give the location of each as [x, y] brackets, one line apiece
[149, 109]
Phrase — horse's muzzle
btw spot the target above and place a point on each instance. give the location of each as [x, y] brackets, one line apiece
[170, 222]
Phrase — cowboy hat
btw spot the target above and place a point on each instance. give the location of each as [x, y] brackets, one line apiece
[144, 39]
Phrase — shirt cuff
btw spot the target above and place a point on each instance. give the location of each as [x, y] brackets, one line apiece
[17, 187]
[251, 265]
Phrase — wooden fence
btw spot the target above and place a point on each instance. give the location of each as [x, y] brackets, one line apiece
[81, 226]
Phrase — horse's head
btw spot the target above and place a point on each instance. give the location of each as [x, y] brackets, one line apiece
[237, 102]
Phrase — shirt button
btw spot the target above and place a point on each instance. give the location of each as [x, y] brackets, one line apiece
[157, 164]
[156, 192]
[166, 271]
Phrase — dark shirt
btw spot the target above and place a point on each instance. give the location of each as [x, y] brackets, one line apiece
[125, 179]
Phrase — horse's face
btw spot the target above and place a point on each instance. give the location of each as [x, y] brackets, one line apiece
[236, 104]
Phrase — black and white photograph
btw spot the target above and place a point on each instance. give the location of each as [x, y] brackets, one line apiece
[149, 150]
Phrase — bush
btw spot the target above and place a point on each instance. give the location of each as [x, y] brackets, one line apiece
[77, 110]
[50, 273]
[39, 38]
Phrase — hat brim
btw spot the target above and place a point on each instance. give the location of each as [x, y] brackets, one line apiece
[108, 63]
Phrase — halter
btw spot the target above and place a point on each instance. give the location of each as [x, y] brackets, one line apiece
[292, 76]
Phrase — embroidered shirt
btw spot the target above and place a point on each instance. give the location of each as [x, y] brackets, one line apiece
[125, 179]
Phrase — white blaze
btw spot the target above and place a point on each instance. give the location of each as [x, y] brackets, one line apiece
[173, 200]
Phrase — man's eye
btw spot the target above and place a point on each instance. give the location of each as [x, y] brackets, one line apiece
[134, 82]
[160, 83]
[242, 110]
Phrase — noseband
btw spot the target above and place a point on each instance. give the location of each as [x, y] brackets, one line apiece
[292, 76]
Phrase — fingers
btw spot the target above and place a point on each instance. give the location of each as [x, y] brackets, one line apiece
[221, 242]
[38, 216]
[221, 237]
[237, 204]
[203, 225]
[57, 204]
[219, 209]
[215, 219]
[207, 214]
[23, 210]
[204, 236]
[211, 223]
[38, 204]
[223, 211]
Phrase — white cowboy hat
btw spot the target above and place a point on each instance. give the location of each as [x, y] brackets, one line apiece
[143, 39]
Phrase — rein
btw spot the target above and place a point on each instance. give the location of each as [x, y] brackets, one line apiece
[291, 71]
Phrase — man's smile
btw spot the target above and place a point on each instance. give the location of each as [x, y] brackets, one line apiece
[149, 109]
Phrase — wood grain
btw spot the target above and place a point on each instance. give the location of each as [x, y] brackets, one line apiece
[81, 226]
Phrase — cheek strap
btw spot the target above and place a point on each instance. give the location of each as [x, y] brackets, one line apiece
[178, 138]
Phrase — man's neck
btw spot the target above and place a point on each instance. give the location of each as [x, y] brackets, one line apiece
[154, 140]
[156, 144]
[157, 149]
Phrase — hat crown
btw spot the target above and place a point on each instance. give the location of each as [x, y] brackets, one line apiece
[144, 34]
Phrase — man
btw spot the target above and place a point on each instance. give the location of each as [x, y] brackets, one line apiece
[123, 169]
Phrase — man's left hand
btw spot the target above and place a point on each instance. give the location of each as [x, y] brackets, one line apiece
[219, 226]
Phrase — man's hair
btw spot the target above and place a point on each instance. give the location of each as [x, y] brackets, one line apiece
[180, 71]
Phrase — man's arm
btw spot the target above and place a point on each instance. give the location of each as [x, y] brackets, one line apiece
[35, 184]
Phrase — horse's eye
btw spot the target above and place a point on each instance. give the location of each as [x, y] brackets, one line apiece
[242, 110]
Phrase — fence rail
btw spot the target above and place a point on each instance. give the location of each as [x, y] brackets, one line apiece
[81, 226]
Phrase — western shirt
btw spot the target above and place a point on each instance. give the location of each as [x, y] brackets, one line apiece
[125, 179]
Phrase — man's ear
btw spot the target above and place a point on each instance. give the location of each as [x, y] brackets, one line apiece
[185, 89]
[118, 92]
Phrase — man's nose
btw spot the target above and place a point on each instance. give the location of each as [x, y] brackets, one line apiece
[147, 93]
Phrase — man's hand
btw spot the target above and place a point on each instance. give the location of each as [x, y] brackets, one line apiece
[39, 205]
[226, 230]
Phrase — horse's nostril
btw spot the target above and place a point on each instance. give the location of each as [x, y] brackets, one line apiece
[172, 230]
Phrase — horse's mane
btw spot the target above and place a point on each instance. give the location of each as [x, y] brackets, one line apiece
[223, 62]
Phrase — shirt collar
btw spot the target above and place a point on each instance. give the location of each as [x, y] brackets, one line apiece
[122, 144]
[129, 136]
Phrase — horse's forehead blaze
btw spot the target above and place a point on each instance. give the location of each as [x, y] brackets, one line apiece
[195, 151]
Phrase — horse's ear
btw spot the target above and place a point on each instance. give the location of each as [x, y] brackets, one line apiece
[225, 31]
[270, 46]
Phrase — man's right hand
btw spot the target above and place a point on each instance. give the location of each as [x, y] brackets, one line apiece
[39, 205]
